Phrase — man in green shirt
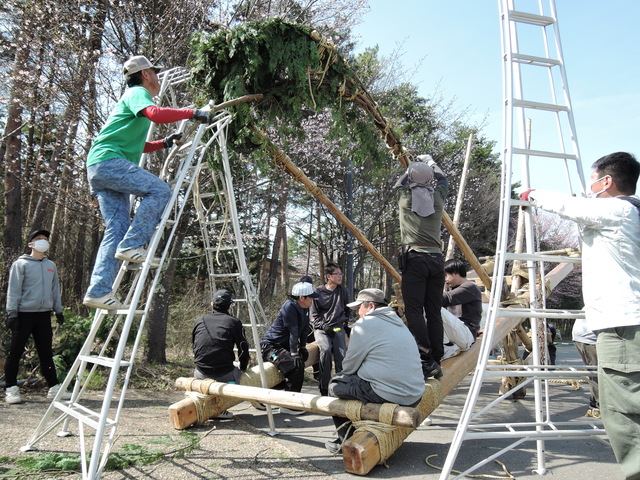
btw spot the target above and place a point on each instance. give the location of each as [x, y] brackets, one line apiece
[114, 175]
[420, 206]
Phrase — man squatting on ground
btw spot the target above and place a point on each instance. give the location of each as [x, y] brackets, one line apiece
[113, 174]
[421, 263]
[382, 364]
[284, 342]
[328, 316]
[610, 228]
[214, 336]
[33, 293]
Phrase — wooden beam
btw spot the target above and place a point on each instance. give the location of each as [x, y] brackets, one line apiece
[402, 416]
[184, 413]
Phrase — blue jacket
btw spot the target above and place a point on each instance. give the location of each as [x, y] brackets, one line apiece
[289, 330]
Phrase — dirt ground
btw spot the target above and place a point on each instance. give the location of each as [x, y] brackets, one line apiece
[225, 449]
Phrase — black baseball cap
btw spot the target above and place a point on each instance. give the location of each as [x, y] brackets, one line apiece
[35, 233]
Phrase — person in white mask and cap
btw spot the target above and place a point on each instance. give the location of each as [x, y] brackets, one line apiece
[33, 293]
[423, 189]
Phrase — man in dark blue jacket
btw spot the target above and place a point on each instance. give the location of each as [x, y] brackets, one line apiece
[284, 343]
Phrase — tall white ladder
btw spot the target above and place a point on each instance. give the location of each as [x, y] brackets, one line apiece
[532, 61]
[115, 358]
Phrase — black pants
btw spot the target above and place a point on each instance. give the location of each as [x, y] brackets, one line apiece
[37, 324]
[422, 284]
[293, 377]
[352, 387]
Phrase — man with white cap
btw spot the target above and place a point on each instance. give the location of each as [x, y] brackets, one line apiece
[421, 263]
[382, 364]
[114, 175]
[284, 343]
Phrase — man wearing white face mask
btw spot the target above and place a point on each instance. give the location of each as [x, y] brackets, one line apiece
[33, 293]
[610, 228]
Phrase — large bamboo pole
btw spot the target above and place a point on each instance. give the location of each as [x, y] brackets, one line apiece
[463, 184]
[401, 416]
[284, 162]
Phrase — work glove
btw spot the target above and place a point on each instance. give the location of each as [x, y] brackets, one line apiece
[524, 196]
[304, 353]
[331, 330]
[12, 322]
[298, 362]
[60, 319]
[201, 116]
[171, 139]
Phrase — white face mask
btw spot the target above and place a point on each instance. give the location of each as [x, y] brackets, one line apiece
[41, 245]
[593, 194]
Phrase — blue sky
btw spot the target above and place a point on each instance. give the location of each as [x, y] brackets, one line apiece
[458, 45]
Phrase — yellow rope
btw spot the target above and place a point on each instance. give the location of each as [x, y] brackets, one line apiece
[504, 469]
[352, 410]
[206, 407]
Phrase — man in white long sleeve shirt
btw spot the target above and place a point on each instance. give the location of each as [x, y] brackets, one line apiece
[610, 226]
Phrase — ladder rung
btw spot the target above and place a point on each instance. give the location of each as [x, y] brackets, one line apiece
[104, 361]
[83, 414]
[249, 325]
[551, 107]
[530, 18]
[542, 153]
[541, 257]
[539, 313]
[535, 60]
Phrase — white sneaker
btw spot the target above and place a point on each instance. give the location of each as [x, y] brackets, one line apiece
[12, 395]
[290, 411]
[106, 302]
[54, 390]
[133, 255]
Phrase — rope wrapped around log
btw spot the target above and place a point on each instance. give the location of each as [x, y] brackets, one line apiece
[392, 414]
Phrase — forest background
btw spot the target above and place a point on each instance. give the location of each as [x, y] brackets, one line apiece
[60, 70]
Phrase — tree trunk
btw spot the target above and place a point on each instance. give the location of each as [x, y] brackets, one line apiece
[277, 241]
[13, 241]
[159, 308]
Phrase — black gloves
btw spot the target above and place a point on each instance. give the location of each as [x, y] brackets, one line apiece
[201, 116]
[171, 139]
[331, 330]
[298, 362]
[12, 322]
[304, 353]
[347, 330]
[60, 318]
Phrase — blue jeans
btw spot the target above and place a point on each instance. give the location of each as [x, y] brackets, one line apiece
[112, 181]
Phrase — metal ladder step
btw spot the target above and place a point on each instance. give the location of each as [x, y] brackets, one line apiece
[551, 107]
[530, 18]
[535, 60]
[104, 361]
[542, 153]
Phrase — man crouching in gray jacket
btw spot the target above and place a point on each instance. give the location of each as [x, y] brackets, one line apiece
[382, 364]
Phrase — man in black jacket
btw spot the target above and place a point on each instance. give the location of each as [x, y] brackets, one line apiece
[328, 316]
[214, 337]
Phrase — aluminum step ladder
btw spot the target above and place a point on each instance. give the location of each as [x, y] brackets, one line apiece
[532, 59]
[113, 357]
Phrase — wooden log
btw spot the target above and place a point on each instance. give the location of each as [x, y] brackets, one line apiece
[402, 416]
[184, 413]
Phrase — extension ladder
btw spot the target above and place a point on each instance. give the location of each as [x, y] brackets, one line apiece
[532, 58]
[182, 168]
